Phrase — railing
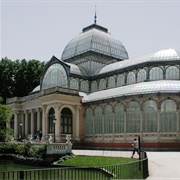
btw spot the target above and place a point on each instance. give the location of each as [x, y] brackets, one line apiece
[81, 173]
[134, 170]
[60, 148]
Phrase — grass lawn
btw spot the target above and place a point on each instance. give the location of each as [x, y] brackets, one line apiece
[122, 168]
[96, 161]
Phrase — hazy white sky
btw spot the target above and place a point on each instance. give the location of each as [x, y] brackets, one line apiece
[39, 29]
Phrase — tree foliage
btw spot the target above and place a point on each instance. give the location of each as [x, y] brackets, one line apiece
[18, 78]
[5, 114]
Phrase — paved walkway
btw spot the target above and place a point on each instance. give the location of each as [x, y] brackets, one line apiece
[162, 165]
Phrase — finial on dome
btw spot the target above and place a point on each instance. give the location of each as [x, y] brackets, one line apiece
[95, 17]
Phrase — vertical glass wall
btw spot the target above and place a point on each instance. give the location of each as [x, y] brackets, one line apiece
[84, 86]
[108, 120]
[89, 121]
[55, 76]
[172, 72]
[120, 80]
[156, 73]
[98, 121]
[168, 116]
[111, 82]
[74, 84]
[141, 75]
[150, 116]
[131, 79]
[119, 118]
[102, 84]
[133, 118]
[94, 86]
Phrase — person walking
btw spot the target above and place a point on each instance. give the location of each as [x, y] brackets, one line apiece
[136, 147]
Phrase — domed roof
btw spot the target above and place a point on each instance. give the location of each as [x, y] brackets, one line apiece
[162, 55]
[97, 39]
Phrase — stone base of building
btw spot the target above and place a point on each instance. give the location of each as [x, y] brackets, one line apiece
[148, 146]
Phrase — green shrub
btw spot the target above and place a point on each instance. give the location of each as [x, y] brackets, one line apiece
[8, 148]
[37, 151]
[23, 149]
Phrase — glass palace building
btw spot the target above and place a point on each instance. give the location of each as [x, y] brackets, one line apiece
[103, 98]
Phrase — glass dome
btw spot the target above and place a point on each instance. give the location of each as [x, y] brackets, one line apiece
[162, 55]
[95, 38]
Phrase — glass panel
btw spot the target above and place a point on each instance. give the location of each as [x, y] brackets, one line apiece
[141, 75]
[120, 80]
[150, 116]
[111, 82]
[133, 118]
[84, 86]
[172, 72]
[94, 86]
[74, 84]
[108, 120]
[98, 121]
[168, 116]
[156, 73]
[54, 76]
[102, 84]
[119, 119]
[89, 121]
[131, 78]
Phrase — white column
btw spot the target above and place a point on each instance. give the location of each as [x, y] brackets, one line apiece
[38, 119]
[125, 123]
[57, 124]
[158, 125]
[26, 124]
[141, 123]
[77, 124]
[22, 119]
[32, 123]
[16, 133]
[44, 126]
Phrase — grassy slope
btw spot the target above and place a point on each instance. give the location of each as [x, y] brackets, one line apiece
[96, 161]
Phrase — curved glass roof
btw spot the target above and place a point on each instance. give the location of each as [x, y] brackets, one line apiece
[163, 86]
[97, 40]
[163, 55]
[36, 89]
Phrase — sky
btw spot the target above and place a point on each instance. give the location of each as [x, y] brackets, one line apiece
[39, 29]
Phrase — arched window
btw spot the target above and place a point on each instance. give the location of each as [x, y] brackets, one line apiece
[119, 118]
[141, 75]
[55, 76]
[168, 116]
[156, 73]
[133, 118]
[66, 121]
[84, 86]
[74, 84]
[131, 78]
[89, 121]
[108, 120]
[111, 82]
[102, 84]
[150, 116]
[120, 80]
[94, 86]
[50, 120]
[172, 72]
[98, 121]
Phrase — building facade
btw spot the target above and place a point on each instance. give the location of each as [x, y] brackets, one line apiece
[103, 98]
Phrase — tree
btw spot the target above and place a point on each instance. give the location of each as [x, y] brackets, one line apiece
[19, 78]
[5, 114]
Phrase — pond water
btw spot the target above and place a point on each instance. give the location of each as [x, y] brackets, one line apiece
[7, 165]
